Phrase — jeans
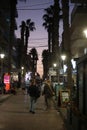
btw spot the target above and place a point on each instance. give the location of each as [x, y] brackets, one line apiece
[32, 103]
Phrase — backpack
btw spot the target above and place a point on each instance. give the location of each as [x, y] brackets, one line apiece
[48, 91]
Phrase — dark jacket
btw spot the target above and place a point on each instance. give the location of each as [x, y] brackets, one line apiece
[33, 91]
[48, 92]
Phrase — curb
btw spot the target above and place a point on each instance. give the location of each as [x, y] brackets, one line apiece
[4, 98]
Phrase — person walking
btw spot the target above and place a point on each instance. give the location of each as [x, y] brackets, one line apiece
[33, 93]
[27, 83]
[48, 94]
[57, 94]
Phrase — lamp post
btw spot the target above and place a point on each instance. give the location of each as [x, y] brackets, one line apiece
[22, 68]
[56, 70]
[22, 76]
[63, 57]
[2, 57]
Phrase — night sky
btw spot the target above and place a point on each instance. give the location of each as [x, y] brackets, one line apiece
[34, 10]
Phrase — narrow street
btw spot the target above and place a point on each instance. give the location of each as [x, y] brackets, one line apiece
[14, 115]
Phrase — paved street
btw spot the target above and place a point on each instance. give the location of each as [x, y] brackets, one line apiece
[14, 115]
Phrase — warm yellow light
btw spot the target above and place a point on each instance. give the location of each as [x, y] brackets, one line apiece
[54, 64]
[63, 57]
[2, 56]
[85, 32]
[22, 68]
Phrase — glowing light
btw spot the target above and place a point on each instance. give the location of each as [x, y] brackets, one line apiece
[85, 32]
[63, 57]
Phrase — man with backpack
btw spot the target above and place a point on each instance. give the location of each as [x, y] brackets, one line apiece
[48, 94]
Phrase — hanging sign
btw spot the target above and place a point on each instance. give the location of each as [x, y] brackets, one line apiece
[7, 81]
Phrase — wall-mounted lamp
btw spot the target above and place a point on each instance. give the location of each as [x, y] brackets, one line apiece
[2, 55]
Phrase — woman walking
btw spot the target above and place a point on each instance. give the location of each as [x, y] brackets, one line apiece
[48, 94]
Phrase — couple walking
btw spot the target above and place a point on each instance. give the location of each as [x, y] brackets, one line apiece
[34, 94]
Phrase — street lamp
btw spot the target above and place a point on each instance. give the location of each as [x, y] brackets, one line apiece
[55, 65]
[85, 33]
[55, 71]
[2, 57]
[63, 57]
[22, 68]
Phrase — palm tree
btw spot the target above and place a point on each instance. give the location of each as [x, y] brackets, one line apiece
[26, 27]
[48, 24]
[56, 19]
[34, 57]
[30, 26]
[45, 60]
[52, 19]
[66, 40]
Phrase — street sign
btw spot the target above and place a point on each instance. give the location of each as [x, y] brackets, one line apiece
[7, 82]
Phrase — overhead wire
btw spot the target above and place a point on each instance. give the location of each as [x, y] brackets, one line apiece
[24, 7]
[35, 9]
[37, 4]
[31, 9]
[37, 46]
[38, 39]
